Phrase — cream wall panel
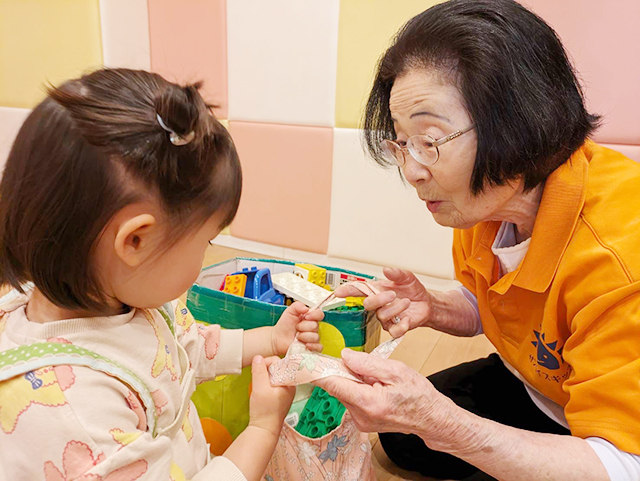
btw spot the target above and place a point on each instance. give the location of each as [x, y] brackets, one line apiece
[125, 33]
[377, 219]
[282, 61]
[10, 122]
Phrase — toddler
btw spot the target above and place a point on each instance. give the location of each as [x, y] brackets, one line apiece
[112, 191]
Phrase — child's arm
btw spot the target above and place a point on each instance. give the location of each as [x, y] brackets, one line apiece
[274, 341]
[252, 450]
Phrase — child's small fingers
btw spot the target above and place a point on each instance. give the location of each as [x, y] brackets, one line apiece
[270, 360]
[314, 346]
[315, 315]
[298, 308]
[307, 326]
[308, 336]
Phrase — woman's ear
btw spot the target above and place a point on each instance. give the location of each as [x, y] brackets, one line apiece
[134, 239]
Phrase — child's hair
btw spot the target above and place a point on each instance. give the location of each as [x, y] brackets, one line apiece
[93, 146]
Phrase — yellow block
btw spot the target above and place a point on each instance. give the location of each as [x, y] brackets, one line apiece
[354, 301]
[365, 31]
[45, 42]
[314, 274]
[235, 284]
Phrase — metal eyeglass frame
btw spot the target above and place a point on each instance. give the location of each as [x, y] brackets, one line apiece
[409, 149]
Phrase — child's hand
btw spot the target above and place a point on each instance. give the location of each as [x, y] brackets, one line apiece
[297, 319]
[268, 405]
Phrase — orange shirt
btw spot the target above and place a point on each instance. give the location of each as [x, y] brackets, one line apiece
[568, 318]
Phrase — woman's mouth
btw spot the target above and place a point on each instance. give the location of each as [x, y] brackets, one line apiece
[433, 205]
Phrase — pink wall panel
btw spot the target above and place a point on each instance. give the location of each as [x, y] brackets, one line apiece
[631, 151]
[189, 43]
[286, 196]
[604, 40]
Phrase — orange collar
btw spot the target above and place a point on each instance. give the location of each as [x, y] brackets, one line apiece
[562, 201]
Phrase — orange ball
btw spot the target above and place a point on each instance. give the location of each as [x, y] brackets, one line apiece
[217, 436]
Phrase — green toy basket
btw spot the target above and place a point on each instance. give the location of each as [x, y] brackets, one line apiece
[223, 404]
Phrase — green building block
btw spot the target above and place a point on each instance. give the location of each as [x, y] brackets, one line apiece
[322, 414]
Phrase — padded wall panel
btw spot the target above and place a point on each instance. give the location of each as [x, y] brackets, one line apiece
[631, 151]
[287, 184]
[10, 122]
[377, 219]
[604, 40]
[44, 41]
[125, 33]
[366, 29]
[282, 61]
[189, 43]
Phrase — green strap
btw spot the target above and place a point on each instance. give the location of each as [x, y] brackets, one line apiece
[22, 360]
[168, 314]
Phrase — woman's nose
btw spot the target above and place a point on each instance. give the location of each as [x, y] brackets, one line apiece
[413, 171]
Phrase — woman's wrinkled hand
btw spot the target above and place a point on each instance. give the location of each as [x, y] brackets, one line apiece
[394, 398]
[403, 303]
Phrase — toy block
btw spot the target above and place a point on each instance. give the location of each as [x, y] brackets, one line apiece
[354, 301]
[321, 415]
[293, 416]
[314, 274]
[235, 284]
[332, 280]
[259, 286]
[344, 278]
[304, 291]
[349, 308]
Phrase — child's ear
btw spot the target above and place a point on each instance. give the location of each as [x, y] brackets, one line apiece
[133, 242]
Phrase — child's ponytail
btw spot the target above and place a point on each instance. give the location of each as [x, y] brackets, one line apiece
[96, 144]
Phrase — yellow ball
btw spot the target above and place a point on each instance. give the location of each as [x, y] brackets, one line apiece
[332, 340]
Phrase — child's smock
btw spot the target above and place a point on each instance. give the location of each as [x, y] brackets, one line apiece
[73, 422]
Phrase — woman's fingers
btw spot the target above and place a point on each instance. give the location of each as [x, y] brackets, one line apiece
[398, 276]
[373, 303]
[399, 329]
[393, 309]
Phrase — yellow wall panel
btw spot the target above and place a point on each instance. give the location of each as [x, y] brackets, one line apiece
[45, 41]
[365, 31]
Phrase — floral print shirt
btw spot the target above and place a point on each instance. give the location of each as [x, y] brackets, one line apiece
[72, 422]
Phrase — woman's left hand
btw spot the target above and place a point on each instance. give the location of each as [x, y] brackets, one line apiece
[297, 319]
[394, 398]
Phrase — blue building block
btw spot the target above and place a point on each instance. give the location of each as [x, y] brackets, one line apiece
[259, 286]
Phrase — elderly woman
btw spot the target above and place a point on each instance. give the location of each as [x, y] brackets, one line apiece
[478, 106]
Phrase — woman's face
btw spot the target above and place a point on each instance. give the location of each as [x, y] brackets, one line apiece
[422, 102]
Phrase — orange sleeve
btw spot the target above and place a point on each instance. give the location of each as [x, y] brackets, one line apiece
[604, 353]
[462, 248]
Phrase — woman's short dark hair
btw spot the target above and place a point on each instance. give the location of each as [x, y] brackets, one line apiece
[93, 146]
[519, 87]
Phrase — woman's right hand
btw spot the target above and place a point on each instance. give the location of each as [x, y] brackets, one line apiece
[268, 405]
[402, 297]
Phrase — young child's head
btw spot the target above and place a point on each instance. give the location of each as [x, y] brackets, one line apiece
[114, 186]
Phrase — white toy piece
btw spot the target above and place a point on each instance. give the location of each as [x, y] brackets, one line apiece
[304, 291]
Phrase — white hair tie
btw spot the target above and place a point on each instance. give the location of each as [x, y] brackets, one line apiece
[174, 137]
